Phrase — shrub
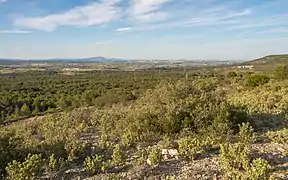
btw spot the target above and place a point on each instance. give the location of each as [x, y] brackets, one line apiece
[155, 156]
[118, 157]
[232, 74]
[55, 165]
[260, 169]
[31, 168]
[280, 137]
[93, 164]
[25, 110]
[235, 163]
[234, 157]
[189, 147]
[77, 150]
[256, 80]
[281, 72]
[104, 142]
[128, 138]
[8, 151]
[246, 134]
[167, 143]
[142, 156]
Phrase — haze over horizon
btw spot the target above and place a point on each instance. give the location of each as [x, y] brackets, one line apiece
[143, 29]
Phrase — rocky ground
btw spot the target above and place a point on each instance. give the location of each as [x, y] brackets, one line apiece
[205, 167]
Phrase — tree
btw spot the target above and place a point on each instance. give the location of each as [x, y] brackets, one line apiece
[281, 72]
[36, 106]
[63, 103]
[16, 113]
[232, 74]
[2, 115]
[25, 110]
[257, 80]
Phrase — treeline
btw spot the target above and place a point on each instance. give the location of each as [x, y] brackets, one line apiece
[36, 93]
[33, 93]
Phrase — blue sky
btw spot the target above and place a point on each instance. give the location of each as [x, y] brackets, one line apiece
[143, 29]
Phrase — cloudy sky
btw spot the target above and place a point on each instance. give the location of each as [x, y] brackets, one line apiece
[141, 29]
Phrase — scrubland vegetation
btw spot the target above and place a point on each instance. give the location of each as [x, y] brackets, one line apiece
[145, 125]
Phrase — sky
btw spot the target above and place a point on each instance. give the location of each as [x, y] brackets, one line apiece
[143, 29]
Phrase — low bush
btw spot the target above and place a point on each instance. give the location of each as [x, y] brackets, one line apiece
[155, 156]
[31, 168]
[167, 143]
[254, 80]
[118, 157]
[189, 147]
[55, 166]
[8, 151]
[235, 162]
[246, 134]
[94, 164]
[281, 72]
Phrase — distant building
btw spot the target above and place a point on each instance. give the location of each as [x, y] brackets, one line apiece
[71, 69]
[245, 67]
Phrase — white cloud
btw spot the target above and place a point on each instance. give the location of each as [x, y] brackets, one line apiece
[101, 42]
[274, 30]
[147, 10]
[3, 1]
[124, 29]
[14, 31]
[90, 15]
[214, 19]
[210, 19]
[255, 25]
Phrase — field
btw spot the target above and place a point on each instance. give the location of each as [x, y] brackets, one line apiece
[123, 122]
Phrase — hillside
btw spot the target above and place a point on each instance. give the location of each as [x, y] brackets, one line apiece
[146, 124]
[268, 63]
[271, 60]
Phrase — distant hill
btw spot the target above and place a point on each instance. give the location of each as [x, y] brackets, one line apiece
[270, 60]
[267, 63]
[72, 60]
[12, 62]
[84, 60]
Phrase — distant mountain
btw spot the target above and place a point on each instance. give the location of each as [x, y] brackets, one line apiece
[270, 60]
[12, 62]
[72, 60]
[85, 60]
[268, 63]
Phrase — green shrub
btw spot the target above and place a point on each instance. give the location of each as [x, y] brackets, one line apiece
[189, 147]
[234, 157]
[77, 150]
[8, 151]
[94, 164]
[128, 138]
[55, 165]
[280, 137]
[118, 157]
[256, 80]
[141, 156]
[281, 72]
[232, 74]
[260, 170]
[167, 143]
[235, 163]
[31, 168]
[246, 134]
[104, 142]
[155, 156]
